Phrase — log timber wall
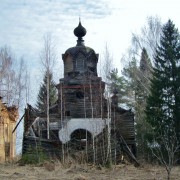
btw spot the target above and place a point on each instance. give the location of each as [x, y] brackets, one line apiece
[8, 118]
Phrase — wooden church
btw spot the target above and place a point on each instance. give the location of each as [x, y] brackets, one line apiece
[82, 116]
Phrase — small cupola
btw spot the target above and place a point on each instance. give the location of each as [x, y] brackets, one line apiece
[80, 59]
[80, 32]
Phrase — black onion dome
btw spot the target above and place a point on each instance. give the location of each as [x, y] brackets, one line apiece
[79, 31]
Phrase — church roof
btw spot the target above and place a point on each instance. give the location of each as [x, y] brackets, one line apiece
[79, 32]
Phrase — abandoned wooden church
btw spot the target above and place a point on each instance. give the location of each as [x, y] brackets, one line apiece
[82, 119]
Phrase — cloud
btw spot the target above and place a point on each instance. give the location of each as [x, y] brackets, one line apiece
[85, 8]
[23, 22]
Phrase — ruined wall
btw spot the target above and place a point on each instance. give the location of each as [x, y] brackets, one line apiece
[8, 118]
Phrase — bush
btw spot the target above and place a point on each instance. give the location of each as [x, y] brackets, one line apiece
[34, 155]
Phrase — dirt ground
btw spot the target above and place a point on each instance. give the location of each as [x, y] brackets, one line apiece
[55, 171]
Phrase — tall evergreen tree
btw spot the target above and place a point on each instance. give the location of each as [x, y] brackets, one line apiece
[131, 74]
[145, 72]
[163, 105]
[133, 85]
[119, 84]
[142, 91]
[133, 89]
[42, 96]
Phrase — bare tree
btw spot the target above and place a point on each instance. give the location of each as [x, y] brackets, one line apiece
[6, 74]
[107, 68]
[48, 58]
[14, 82]
[138, 71]
[27, 86]
[21, 82]
[148, 39]
[165, 147]
[12, 78]
[107, 64]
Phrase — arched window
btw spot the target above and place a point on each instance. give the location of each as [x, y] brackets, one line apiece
[80, 62]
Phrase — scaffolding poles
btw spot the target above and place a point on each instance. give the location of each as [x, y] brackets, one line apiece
[61, 95]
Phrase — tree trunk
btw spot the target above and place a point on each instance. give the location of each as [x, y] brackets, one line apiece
[48, 104]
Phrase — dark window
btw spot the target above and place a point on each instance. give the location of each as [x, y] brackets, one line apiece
[7, 149]
[67, 113]
[92, 69]
[79, 95]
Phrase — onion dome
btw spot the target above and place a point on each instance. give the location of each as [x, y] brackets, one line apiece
[80, 32]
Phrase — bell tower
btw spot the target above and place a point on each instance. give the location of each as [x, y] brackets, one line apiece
[81, 87]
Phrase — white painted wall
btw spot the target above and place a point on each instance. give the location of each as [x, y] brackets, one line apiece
[95, 126]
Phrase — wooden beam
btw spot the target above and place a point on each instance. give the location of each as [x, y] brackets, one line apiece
[18, 124]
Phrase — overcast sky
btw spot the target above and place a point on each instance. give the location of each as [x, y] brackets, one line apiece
[24, 22]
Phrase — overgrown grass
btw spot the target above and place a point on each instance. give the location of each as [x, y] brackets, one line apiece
[34, 156]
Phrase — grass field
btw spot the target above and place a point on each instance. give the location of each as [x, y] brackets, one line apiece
[55, 171]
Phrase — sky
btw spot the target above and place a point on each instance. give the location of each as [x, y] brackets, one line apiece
[23, 23]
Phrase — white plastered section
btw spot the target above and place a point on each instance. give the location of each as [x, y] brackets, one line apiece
[95, 126]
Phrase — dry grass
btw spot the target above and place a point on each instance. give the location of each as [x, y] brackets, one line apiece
[56, 171]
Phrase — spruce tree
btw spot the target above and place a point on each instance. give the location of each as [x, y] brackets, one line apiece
[131, 74]
[118, 84]
[42, 96]
[133, 88]
[163, 104]
[142, 91]
[145, 68]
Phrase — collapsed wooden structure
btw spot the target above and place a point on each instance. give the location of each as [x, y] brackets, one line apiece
[8, 118]
[82, 118]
